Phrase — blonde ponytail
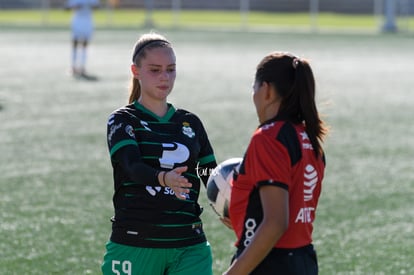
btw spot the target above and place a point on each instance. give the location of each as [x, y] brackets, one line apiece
[134, 90]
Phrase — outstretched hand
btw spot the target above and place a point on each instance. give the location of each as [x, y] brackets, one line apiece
[177, 182]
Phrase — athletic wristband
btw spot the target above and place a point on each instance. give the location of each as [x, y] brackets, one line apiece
[157, 176]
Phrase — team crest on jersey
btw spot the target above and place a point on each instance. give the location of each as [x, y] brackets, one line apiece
[187, 130]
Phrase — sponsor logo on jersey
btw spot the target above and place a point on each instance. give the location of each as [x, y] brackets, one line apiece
[112, 131]
[187, 130]
[309, 184]
[311, 179]
[173, 153]
[198, 228]
[153, 190]
[145, 125]
[130, 131]
[168, 191]
[111, 119]
[304, 135]
[305, 145]
[305, 215]
[250, 226]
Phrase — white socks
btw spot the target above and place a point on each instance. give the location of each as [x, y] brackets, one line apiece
[79, 56]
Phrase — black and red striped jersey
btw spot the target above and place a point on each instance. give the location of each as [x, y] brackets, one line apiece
[279, 154]
[146, 214]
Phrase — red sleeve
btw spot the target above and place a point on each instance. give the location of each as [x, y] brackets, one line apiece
[270, 161]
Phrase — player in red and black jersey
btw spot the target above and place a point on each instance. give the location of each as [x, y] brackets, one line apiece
[156, 152]
[275, 194]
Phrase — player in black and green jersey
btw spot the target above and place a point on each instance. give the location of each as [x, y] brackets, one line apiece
[156, 153]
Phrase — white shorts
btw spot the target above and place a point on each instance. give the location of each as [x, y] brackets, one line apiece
[82, 22]
[82, 29]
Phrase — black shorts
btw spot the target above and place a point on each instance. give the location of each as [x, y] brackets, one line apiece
[298, 261]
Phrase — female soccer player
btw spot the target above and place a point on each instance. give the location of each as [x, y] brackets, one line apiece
[82, 30]
[275, 195]
[156, 150]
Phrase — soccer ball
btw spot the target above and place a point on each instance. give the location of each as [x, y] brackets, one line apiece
[219, 185]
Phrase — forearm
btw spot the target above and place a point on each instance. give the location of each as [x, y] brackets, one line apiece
[262, 243]
[142, 173]
[138, 171]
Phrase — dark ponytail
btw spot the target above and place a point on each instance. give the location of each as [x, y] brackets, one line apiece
[304, 85]
[294, 81]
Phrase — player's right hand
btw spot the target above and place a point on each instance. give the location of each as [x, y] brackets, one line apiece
[177, 182]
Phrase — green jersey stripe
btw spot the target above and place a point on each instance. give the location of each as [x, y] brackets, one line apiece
[122, 144]
[207, 159]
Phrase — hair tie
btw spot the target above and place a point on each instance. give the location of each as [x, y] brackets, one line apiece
[144, 45]
[295, 63]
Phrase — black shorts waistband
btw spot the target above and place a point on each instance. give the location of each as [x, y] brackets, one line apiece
[163, 236]
[285, 251]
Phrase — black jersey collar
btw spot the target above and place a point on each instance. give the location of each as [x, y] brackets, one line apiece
[278, 117]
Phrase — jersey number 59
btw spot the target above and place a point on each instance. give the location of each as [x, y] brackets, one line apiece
[119, 267]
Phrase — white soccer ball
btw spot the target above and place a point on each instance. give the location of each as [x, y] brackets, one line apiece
[219, 185]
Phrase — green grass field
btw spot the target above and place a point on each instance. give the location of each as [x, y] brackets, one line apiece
[55, 174]
[105, 18]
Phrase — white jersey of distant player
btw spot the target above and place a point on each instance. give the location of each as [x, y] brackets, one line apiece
[82, 23]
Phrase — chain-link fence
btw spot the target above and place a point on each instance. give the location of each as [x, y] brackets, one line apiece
[388, 14]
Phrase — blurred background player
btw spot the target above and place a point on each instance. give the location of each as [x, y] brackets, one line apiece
[82, 29]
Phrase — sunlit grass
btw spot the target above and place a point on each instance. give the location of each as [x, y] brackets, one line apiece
[55, 175]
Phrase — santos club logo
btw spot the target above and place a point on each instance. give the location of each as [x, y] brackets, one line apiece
[311, 179]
